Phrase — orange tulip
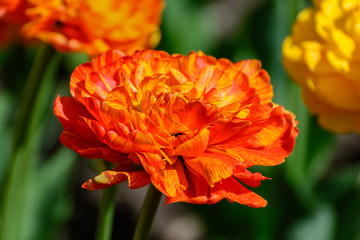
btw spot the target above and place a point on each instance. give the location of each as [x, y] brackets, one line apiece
[95, 26]
[190, 125]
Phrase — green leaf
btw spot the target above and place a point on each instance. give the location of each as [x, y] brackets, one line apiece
[49, 200]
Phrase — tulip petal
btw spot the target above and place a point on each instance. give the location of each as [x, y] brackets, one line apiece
[211, 166]
[107, 179]
[90, 149]
[167, 178]
[196, 115]
[258, 78]
[230, 189]
[77, 135]
[330, 117]
[272, 154]
[272, 129]
[198, 192]
[247, 177]
[106, 59]
[194, 146]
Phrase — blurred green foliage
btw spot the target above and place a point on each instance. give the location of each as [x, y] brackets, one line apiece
[310, 196]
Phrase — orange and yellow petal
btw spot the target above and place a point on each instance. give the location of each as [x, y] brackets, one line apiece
[77, 135]
[136, 179]
[169, 178]
[212, 166]
[229, 189]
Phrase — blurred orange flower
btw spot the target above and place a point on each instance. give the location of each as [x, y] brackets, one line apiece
[12, 17]
[95, 26]
[190, 125]
[8, 6]
[322, 56]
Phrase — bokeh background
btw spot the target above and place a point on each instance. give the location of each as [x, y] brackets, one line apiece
[315, 194]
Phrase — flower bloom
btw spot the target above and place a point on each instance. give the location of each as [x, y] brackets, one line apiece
[190, 125]
[95, 26]
[322, 56]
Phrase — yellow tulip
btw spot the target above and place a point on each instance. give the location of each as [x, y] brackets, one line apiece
[322, 55]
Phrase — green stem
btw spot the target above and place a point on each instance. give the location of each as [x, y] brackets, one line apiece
[15, 190]
[147, 213]
[30, 92]
[106, 214]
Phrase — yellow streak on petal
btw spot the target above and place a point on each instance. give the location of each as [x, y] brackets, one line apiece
[183, 87]
[310, 83]
[235, 155]
[323, 24]
[330, 8]
[174, 178]
[304, 15]
[105, 83]
[312, 59]
[348, 5]
[178, 75]
[194, 146]
[103, 177]
[100, 45]
[155, 39]
[312, 54]
[340, 64]
[243, 113]
[169, 160]
[291, 50]
[343, 42]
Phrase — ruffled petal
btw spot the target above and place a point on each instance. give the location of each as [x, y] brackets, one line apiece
[242, 128]
[222, 131]
[258, 78]
[233, 191]
[137, 179]
[106, 59]
[135, 141]
[167, 178]
[194, 146]
[212, 166]
[272, 130]
[198, 192]
[77, 135]
[196, 115]
[230, 189]
[247, 177]
[89, 148]
[269, 146]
